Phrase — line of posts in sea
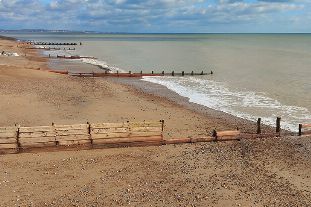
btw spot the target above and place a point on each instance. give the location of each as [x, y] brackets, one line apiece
[139, 74]
[54, 43]
[52, 48]
[173, 73]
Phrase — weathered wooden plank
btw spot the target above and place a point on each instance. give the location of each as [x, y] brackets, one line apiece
[202, 139]
[8, 140]
[145, 124]
[109, 130]
[72, 138]
[228, 133]
[8, 146]
[146, 129]
[177, 141]
[71, 127]
[128, 140]
[145, 134]
[8, 129]
[8, 134]
[37, 134]
[36, 140]
[35, 145]
[72, 132]
[109, 125]
[110, 135]
[75, 142]
[36, 129]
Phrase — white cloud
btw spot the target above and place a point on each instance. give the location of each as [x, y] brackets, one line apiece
[118, 15]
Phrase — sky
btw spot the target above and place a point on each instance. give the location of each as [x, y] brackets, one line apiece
[158, 16]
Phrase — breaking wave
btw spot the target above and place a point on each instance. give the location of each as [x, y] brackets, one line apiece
[244, 104]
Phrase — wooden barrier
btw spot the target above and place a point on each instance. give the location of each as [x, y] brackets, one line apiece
[78, 134]
[217, 136]
[133, 75]
[8, 141]
[19, 139]
[228, 135]
[53, 43]
[177, 141]
[59, 72]
[39, 136]
[16, 139]
[304, 129]
[128, 132]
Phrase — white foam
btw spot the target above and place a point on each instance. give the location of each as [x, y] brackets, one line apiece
[101, 64]
[244, 104]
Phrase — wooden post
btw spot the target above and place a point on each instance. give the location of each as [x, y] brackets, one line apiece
[162, 72]
[259, 126]
[212, 72]
[183, 73]
[18, 144]
[151, 72]
[162, 125]
[89, 132]
[300, 130]
[214, 134]
[56, 142]
[278, 125]
[192, 73]
[202, 73]
[173, 73]
[141, 72]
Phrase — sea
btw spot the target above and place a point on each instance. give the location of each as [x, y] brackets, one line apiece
[254, 75]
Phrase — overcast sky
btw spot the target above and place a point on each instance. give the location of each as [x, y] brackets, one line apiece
[158, 16]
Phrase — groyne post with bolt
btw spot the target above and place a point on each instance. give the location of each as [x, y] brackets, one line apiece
[300, 130]
[278, 125]
[259, 126]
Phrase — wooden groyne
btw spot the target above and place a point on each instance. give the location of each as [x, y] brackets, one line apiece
[53, 43]
[73, 57]
[102, 135]
[50, 48]
[135, 75]
[22, 139]
[99, 135]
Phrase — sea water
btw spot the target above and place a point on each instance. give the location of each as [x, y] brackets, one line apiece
[255, 75]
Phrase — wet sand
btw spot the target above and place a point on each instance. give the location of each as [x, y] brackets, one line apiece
[262, 172]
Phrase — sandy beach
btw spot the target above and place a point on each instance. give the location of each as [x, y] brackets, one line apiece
[269, 172]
